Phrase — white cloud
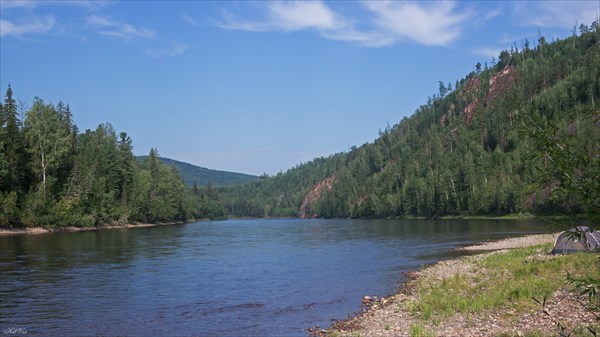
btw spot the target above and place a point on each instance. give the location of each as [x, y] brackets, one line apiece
[562, 14]
[187, 18]
[288, 16]
[100, 21]
[371, 38]
[302, 15]
[175, 49]
[125, 31]
[35, 26]
[488, 52]
[432, 24]
[306, 15]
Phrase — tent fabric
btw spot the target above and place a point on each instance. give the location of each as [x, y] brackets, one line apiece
[565, 242]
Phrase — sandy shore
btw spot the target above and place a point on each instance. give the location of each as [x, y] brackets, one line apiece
[391, 316]
[41, 230]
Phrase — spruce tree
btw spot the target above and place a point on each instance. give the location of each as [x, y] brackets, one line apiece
[126, 166]
[3, 163]
[14, 148]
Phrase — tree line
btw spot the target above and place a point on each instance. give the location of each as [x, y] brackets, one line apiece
[467, 150]
[53, 175]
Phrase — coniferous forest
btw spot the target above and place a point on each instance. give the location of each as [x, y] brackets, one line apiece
[478, 146]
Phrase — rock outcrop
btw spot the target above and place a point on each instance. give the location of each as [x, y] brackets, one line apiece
[500, 85]
[470, 94]
[314, 194]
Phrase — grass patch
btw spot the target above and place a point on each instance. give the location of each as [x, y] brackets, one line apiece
[507, 280]
[418, 330]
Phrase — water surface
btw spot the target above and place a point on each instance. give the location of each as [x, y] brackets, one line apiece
[226, 278]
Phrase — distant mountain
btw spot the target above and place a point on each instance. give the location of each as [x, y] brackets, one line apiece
[202, 176]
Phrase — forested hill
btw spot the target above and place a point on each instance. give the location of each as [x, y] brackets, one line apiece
[201, 176]
[467, 150]
[53, 175]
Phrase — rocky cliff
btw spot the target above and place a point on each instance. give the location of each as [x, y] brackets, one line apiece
[313, 195]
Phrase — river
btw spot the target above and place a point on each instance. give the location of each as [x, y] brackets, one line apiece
[224, 278]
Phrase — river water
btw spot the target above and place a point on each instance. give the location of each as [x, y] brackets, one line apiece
[224, 278]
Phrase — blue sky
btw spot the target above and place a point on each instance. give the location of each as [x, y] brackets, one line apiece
[257, 87]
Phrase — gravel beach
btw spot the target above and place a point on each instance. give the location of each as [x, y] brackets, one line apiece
[392, 317]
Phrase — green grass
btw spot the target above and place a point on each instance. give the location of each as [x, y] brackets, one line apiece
[417, 330]
[509, 280]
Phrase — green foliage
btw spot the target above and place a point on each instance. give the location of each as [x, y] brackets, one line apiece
[14, 156]
[563, 124]
[52, 176]
[47, 141]
[588, 288]
[202, 176]
[280, 195]
[160, 194]
[8, 208]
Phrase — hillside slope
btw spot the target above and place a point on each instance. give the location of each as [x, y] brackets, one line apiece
[202, 176]
[465, 152]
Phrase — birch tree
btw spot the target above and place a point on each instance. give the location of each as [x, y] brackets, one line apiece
[47, 139]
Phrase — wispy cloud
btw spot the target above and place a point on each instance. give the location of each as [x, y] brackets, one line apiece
[18, 4]
[487, 52]
[432, 24]
[288, 16]
[305, 15]
[108, 27]
[175, 49]
[34, 26]
[189, 19]
[100, 21]
[30, 4]
[561, 14]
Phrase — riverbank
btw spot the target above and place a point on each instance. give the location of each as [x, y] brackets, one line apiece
[44, 230]
[489, 294]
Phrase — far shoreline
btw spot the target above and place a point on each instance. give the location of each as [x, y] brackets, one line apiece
[8, 231]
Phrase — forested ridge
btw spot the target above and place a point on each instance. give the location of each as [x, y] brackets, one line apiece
[53, 175]
[470, 150]
[201, 176]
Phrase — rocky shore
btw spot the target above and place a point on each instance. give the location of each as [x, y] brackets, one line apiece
[393, 316]
[43, 230]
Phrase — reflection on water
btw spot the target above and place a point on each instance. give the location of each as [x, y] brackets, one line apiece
[242, 277]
